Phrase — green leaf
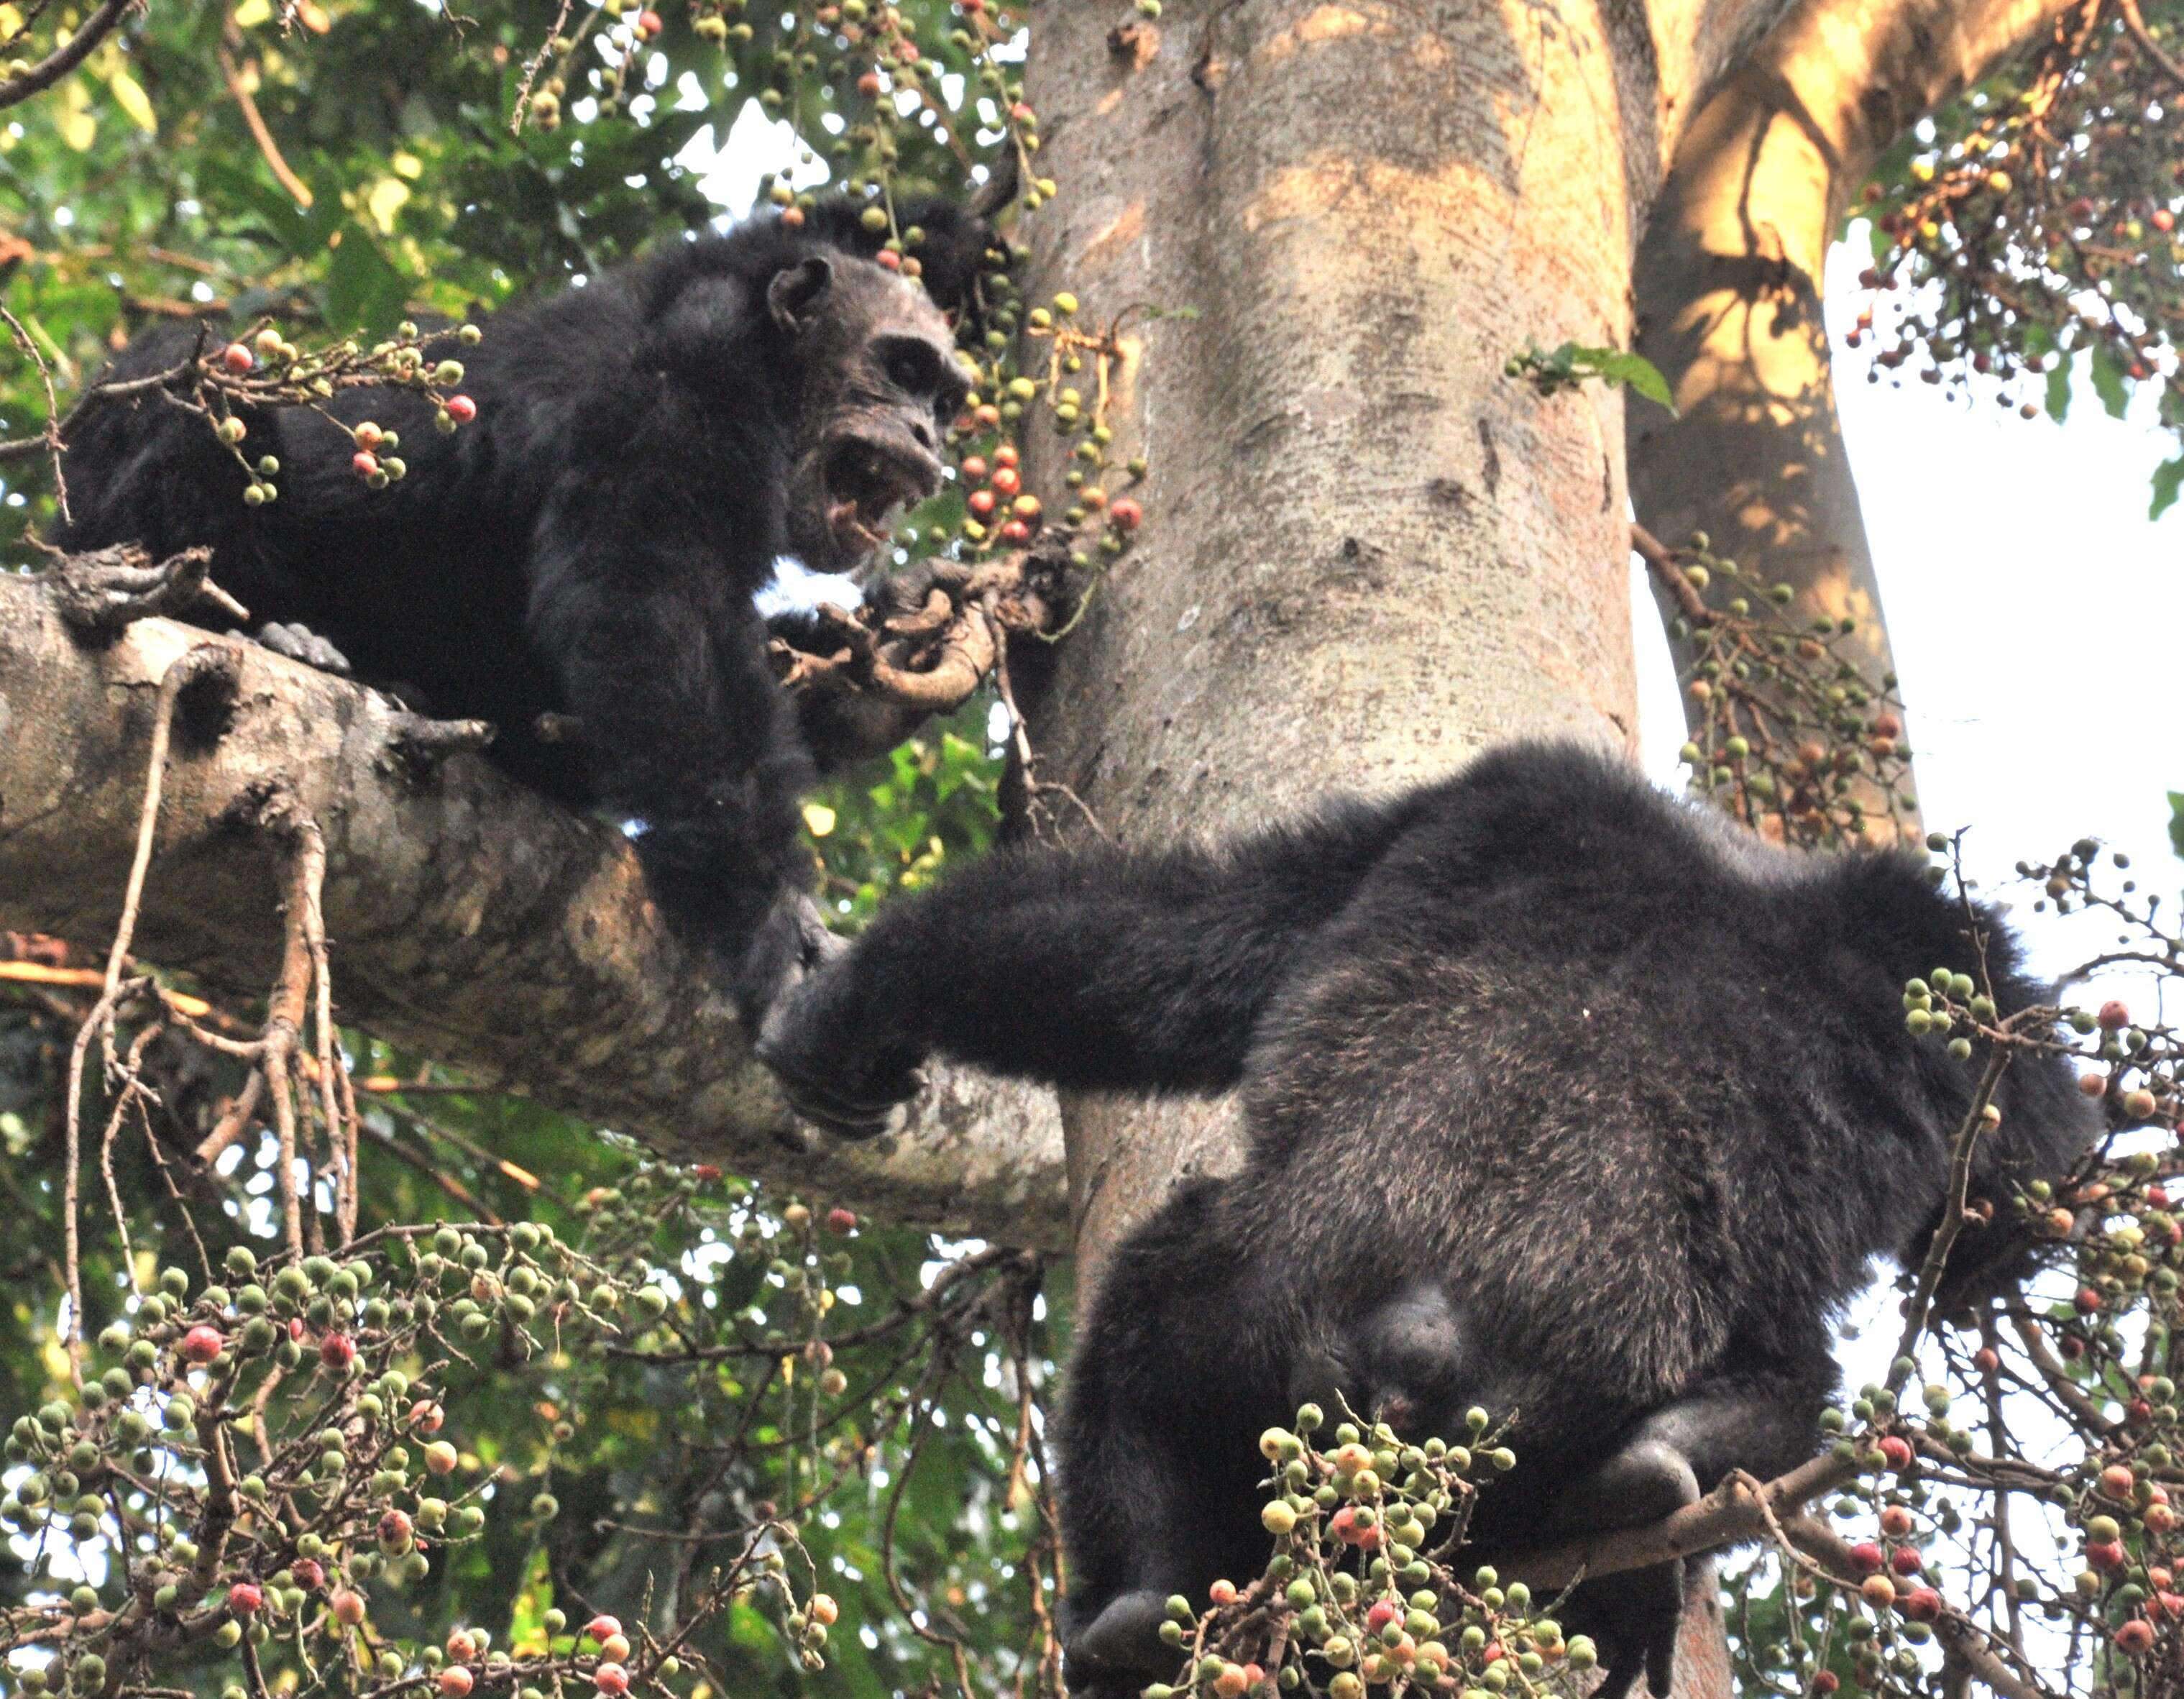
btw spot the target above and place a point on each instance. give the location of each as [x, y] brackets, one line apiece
[2107, 382]
[1641, 373]
[2058, 392]
[243, 193]
[2176, 820]
[2168, 477]
[364, 289]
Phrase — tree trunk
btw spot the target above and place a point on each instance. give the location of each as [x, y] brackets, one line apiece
[1728, 288]
[1368, 552]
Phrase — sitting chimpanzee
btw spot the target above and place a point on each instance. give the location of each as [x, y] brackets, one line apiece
[644, 449]
[1566, 1100]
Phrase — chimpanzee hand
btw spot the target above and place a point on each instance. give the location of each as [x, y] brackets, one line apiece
[843, 726]
[1120, 1651]
[791, 942]
[835, 1067]
[897, 592]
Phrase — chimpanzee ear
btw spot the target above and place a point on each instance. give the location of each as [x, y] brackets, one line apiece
[795, 294]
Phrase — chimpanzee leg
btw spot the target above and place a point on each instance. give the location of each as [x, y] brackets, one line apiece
[1762, 1424]
[1135, 1506]
[1168, 1388]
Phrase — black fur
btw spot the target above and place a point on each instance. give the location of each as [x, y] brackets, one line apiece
[1565, 1098]
[645, 447]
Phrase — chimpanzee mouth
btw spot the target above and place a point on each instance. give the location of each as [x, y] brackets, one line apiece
[866, 483]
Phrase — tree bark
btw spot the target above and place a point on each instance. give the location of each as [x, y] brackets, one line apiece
[1729, 284]
[472, 920]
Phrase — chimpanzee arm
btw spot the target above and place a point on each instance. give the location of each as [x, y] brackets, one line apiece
[1091, 968]
[663, 667]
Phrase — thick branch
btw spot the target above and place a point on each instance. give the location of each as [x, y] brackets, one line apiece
[1728, 282]
[1734, 1513]
[469, 918]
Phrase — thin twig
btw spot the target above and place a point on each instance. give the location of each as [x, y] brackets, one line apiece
[132, 1095]
[1667, 574]
[533, 65]
[337, 1102]
[20, 448]
[2135, 21]
[173, 1191]
[513, 1172]
[101, 1015]
[89, 978]
[1954, 1214]
[298, 190]
[195, 664]
[51, 438]
[284, 814]
[230, 1125]
[65, 58]
[439, 1177]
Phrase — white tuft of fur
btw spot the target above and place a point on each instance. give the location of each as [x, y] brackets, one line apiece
[795, 589]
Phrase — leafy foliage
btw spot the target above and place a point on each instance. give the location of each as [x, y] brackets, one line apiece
[2026, 239]
[891, 827]
[1572, 363]
[788, 1402]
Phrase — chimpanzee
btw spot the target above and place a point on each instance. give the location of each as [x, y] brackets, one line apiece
[645, 448]
[1566, 1101]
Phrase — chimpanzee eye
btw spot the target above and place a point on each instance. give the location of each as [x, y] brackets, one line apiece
[912, 365]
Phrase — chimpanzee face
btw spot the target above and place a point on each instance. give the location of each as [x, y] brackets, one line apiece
[881, 383]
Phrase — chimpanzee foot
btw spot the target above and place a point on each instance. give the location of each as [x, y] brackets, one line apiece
[1120, 1649]
[299, 643]
[1635, 1615]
